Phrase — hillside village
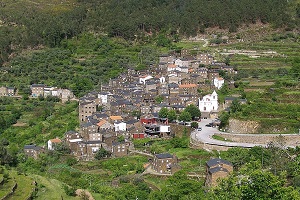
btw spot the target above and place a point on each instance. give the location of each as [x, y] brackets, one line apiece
[127, 107]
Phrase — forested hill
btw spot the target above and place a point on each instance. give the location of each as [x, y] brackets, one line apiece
[31, 23]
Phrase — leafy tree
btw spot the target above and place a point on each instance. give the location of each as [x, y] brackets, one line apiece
[235, 106]
[185, 116]
[163, 113]
[193, 110]
[295, 70]
[194, 125]
[159, 99]
[172, 115]
[102, 153]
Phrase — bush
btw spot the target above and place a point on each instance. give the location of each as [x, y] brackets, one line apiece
[70, 191]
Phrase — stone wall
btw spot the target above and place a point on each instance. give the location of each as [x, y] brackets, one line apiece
[288, 139]
[200, 145]
[239, 126]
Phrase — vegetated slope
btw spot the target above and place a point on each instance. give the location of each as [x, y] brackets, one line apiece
[31, 23]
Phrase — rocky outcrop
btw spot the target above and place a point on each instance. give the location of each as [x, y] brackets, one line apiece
[239, 126]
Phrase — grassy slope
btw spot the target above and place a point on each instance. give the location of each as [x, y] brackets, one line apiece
[6, 188]
[50, 189]
[24, 188]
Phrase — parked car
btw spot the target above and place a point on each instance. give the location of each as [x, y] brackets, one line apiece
[209, 125]
[199, 129]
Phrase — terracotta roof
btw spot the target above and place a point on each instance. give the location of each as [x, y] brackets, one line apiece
[171, 66]
[220, 79]
[101, 122]
[191, 70]
[187, 85]
[56, 140]
[116, 118]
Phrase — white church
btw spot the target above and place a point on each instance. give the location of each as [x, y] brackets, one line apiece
[209, 103]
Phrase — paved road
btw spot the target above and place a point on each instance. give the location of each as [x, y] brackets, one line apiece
[206, 134]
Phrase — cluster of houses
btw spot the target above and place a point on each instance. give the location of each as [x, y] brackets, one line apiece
[38, 90]
[127, 107]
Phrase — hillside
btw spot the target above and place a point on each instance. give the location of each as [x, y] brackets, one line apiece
[28, 24]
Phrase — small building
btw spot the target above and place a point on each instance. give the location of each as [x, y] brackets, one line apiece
[216, 169]
[218, 82]
[3, 91]
[52, 143]
[165, 163]
[86, 109]
[120, 149]
[10, 91]
[120, 126]
[103, 124]
[138, 135]
[37, 90]
[33, 151]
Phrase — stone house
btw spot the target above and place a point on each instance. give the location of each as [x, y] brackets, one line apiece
[173, 89]
[164, 58]
[203, 72]
[216, 169]
[92, 147]
[88, 128]
[228, 69]
[33, 151]
[65, 94]
[212, 74]
[148, 98]
[10, 91]
[3, 91]
[103, 124]
[120, 149]
[86, 109]
[150, 85]
[145, 109]
[188, 89]
[37, 90]
[165, 163]
[205, 59]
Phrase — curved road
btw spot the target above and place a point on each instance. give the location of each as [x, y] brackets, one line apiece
[205, 136]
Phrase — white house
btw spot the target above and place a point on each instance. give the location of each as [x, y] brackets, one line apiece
[104, 97]
[120, 126]
[143, 79]
[218, 82]
[164, 129]
[52, 143]
[209, 103]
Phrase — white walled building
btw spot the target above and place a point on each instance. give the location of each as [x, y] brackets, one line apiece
[143, 79]
[209, 103]
[218, 82]
[120, 126]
